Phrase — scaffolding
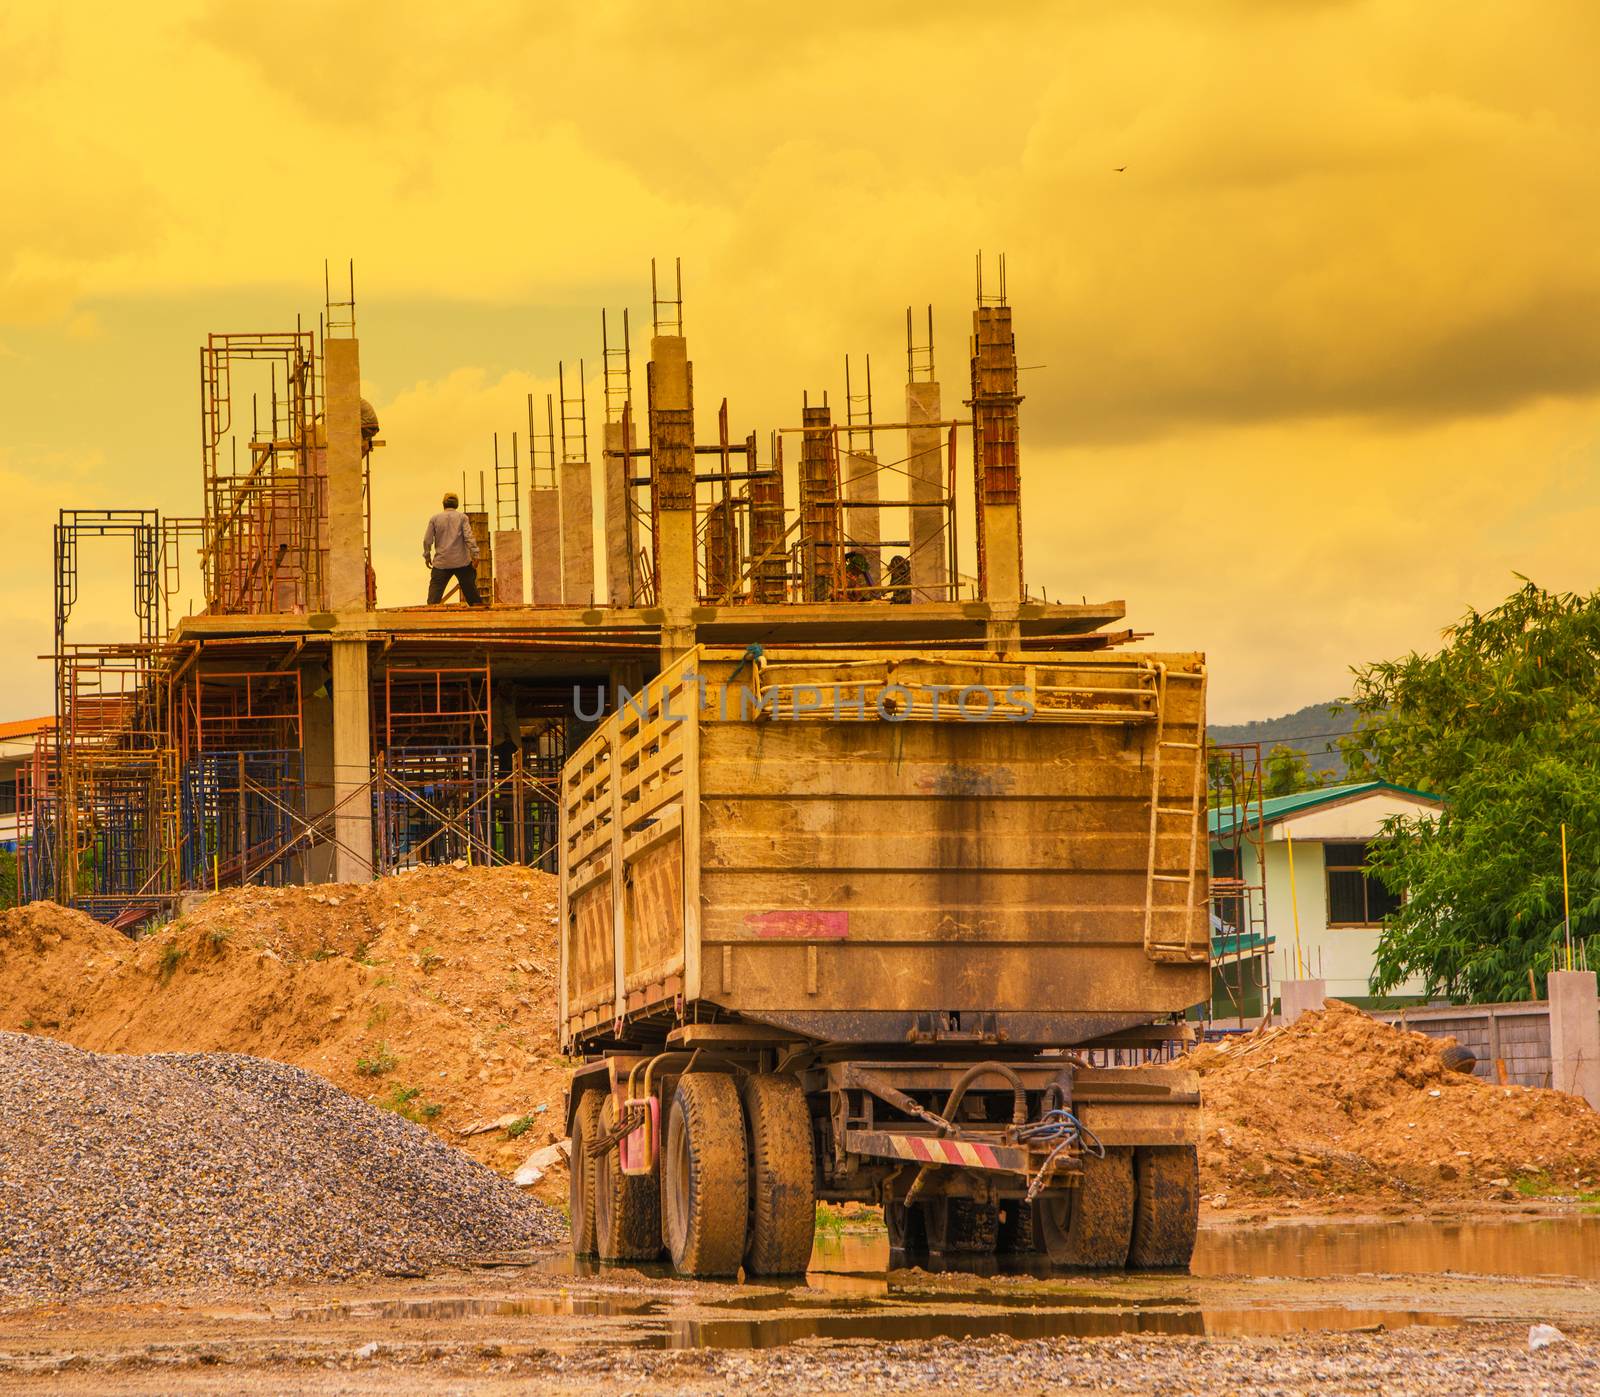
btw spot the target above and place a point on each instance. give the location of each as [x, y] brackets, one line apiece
[456, 779]
[1241, 942]
[433, 768]
[114, 797]
[241, 735]
[507, 488]
[265, 517]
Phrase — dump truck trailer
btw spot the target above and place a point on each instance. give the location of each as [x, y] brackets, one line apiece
[880, 926]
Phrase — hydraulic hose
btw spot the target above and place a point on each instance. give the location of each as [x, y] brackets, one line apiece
[1019, 1097]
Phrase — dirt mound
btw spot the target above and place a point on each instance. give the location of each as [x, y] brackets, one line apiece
[1338, 1105]
[431, 993]
[196, 1169]
[46, 955]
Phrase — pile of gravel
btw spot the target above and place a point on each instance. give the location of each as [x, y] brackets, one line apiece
[218, 1169]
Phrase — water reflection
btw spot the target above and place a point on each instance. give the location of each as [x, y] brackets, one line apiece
[1560, 1247]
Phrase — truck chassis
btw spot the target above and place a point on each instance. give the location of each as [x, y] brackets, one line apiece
[714, 1151]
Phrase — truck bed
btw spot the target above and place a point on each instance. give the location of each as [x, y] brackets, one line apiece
[830, 845]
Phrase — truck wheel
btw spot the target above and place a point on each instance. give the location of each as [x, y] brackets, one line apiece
[1016, 1236]
[627, 1207]
[1167, 1211]
[783, 1203]
[580, 1175]
[1090, 1228]
[907, 1229]
[703, 1172]
[961, 1226]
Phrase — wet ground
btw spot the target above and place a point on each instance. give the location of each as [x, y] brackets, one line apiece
[1434, 1306]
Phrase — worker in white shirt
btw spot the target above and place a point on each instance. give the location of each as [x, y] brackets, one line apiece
[449, 548]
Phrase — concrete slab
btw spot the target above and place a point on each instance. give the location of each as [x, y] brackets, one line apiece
[1296, 996]
[1575, 1034]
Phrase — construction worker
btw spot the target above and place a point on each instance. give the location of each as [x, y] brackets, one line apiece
[449, 548]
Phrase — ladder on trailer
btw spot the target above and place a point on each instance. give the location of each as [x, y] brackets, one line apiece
[1176, 927]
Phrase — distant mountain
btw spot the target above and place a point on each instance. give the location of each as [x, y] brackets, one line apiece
[1314, 730]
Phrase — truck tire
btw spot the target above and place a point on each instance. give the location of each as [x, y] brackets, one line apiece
[1167, 1207]
[908, 1232]
[1091, 1227]
[627, 1207]
[580, 1175]
[703, 1177]
[1016, 1235]
[782, 1183]
[960, 1227]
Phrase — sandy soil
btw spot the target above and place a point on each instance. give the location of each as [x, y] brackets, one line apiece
[1339, 1110]
[442, 981]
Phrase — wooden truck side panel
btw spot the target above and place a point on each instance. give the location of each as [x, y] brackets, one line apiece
[863, 866]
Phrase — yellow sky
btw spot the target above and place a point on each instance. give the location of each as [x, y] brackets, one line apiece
[1318, 371]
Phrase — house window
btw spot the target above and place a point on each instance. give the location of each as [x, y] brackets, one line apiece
[1354, 897]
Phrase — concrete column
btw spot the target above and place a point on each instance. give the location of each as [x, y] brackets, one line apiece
[672, 475]
[544, 545]
[1575, 1034]
[1296, 996]
[508, 590]
[479, 520]
[863, 527]
[619, 562]
[316, 711]
[577, 533]
[925, 469]
[347, 518]
[352, 761]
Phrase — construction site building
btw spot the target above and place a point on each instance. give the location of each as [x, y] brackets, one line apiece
[292, 729]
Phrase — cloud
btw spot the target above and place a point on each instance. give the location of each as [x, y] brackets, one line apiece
[1346, 292]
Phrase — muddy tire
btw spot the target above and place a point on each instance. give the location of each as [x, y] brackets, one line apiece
[580, 1176]
[1459, 1059]
[782, 1182]
[961, 1227]
[627, 1207]
[1016, 1236]
[1091, 1228]
[703, 1177]
[1166, 1207]
[907, 1227]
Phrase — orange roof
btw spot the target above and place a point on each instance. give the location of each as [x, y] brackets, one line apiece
[26, 727]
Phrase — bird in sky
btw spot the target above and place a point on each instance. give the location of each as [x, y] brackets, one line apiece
[1119, 168]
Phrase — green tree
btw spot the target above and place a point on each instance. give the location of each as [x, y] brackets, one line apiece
[1288, 770]
[1503, 723]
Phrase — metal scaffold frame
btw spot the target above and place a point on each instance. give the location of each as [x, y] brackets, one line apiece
[1242, 949]
[241, 733]
[265, 539]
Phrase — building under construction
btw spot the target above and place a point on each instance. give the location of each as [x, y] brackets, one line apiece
[294, 730]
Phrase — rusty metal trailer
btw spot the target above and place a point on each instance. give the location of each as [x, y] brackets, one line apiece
[865, 926]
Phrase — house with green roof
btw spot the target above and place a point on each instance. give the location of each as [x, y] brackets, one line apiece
[1315, 913]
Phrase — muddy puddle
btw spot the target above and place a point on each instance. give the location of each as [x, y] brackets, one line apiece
[1018, 1322]
[478, 1307]
[850, 1294]
[1562, 1247]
